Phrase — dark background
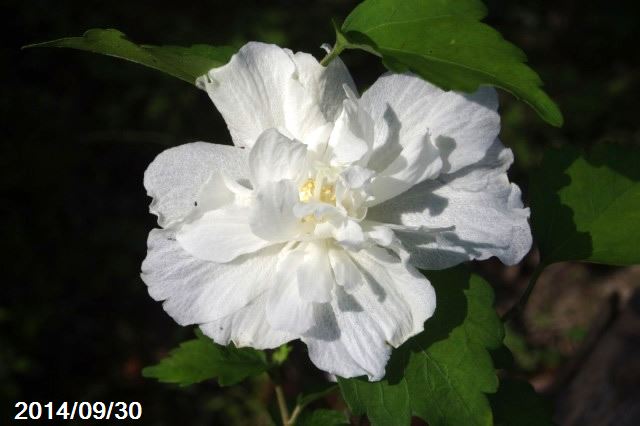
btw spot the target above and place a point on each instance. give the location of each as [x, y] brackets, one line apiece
[78, 131]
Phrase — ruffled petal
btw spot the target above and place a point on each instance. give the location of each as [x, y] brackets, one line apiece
[405, 107]
[176, 176]
[392, 303]
[348, 232]
[213, 194]
[315, 278]
[352, 136]
[275, 157]
[326, 84]
[272, 215]
[356, 177]
[247, 327]
[345, 271]
[351, 346]
[418, 161]
[220, 235]
[479, 212]
[287, 310]
[195, 291]
[259, 89]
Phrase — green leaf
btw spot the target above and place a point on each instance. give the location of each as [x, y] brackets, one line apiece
[517, 403]
[445, 43]
[587, 206]
[384, 403]
[443, 374]
[186, 63]
[280, 355]
[304, 400]
[202, 359]
[322, 418]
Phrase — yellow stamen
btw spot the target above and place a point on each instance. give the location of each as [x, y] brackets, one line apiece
[310, 218]
[306, 190]
[328, 194]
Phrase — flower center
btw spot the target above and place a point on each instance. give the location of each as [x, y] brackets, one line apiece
[306, 190]
[325, 193]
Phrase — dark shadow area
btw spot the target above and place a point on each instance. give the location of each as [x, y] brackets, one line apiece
[621, 158]
[551, 220]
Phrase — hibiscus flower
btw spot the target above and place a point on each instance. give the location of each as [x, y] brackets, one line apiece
[313, 224]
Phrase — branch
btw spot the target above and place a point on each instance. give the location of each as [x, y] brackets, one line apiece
[520, 304]
[282, 405]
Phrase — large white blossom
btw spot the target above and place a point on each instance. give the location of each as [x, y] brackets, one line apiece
[312, 225]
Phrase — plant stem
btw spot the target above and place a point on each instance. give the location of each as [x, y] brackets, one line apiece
[340, 44]
[520, 304]
[335, 52]
[282, 405]
[294, 416]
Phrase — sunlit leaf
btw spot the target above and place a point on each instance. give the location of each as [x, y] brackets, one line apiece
[202, 359]
[445, 43]
[587, 206]
[280, 355]
[186, 63]
[443, 374]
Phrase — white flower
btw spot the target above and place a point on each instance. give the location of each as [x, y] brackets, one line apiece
[313, 224]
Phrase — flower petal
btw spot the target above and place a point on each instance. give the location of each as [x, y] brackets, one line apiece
[345, 271]
[315, 278]
[196, 291]
[418, 161]
[220, 235]
[352, 136]
[400, 299]
[275, 157]
[176, 176]
[272, 215]
[481, 213]
[286, 309]
[388, 307]
[355, 177]
[260, 89]
[405, 107]
[326, 84]
[349, 347]
[348, 232]
[247, 327]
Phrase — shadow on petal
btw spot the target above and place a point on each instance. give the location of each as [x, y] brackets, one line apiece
[446, 145]
[326, 326]
[346, 302]
[438, 249]
[386, 152]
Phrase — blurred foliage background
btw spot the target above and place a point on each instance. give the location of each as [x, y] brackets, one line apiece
[78, 131]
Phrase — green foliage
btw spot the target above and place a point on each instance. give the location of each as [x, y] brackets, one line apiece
[322, 418]
[383, 402]
[186, 63]
[443, 374]
[280, 355]
[517, 403]
[587, 206]
[304, 400]
[202, 359]
[445, 43]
